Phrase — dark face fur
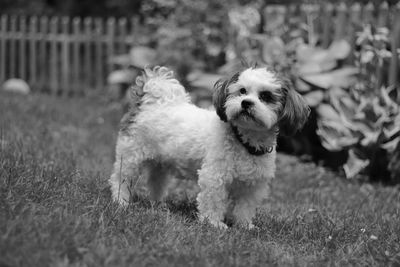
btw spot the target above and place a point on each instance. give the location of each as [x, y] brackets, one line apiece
[257, 99]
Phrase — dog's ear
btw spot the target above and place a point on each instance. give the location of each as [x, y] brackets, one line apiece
[219, 98]
[220, 93]
[295, 110]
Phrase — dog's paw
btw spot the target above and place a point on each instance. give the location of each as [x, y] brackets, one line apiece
[219, 225]
[122, 202]
[250, 226]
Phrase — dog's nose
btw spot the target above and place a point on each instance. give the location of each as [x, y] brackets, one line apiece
[247, 104]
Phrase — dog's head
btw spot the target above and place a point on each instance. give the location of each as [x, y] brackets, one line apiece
[258, 99]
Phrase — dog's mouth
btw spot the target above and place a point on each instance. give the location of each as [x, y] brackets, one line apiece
[247, 116]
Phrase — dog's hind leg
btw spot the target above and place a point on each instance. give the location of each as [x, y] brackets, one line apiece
[130, 155]
[157, 179]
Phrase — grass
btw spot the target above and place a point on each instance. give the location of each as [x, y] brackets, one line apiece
[55, 207]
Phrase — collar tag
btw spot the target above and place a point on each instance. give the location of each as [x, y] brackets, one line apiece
[251, 149]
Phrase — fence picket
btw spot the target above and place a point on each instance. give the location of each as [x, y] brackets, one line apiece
[22, 47]
[395, 45]
[368, 16]
[88, 52]
[44, 68]
[99, 74]
[134, 30]
[3, 43]
[122, 23]
[341, 21]
[54, 56]
[354, 21]
[383, 14]
[32, 51]
[110, 42]
[65, 56]
[13, 42]
[327, 27]
[76, 59]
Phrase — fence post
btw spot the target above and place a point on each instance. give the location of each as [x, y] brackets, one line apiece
[13, 41]
[22, 47]
[395, 45]
[99, 54]
[3, 43]
[368, 17]
[341, 21]
[134, 30]
[122, 35]
[65, 58]
[355, 17]
[327, 28]
[383, 14]
[76, 38]
[54, 76]
[32, 51]
[310, 16]
[44, 68]
[274, 17]
[88, 51]
[110, 42]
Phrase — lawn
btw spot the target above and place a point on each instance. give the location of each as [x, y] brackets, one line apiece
[55, 206]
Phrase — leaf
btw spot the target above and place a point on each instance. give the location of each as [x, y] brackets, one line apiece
[391, 146]
[314, 98]
[335, 136]
[393, 128]
[310, 54]
[121, 76]
[389, 133]
[344, 78]
[317, 67]
[327, 112]
[203, 80]
[142, 56]
[385, 95]
[313, 60]
[343, 103]
[354, 165]
[301, 86]
[275, 17]
[121, 60]
[273, 49]
[370, 138]
[340, 49]
[230, 67]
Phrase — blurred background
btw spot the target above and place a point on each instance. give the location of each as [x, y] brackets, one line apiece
[343, 57]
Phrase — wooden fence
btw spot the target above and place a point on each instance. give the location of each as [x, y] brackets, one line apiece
[62, 55]
[70, 55]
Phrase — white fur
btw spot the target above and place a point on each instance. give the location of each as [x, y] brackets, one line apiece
[171, 135]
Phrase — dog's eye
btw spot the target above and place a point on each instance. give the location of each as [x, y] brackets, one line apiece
[242, 91]
[267, 96]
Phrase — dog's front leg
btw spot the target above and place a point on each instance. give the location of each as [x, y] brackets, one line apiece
[213, 197]
[250, 199]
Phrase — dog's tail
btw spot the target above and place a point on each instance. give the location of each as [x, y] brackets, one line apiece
[157, 86]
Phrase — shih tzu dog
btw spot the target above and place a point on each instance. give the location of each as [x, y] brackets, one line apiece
[230, 151]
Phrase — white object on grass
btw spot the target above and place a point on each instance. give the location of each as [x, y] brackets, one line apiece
[16, 86]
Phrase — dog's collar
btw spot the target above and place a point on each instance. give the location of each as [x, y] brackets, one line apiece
[251, 149]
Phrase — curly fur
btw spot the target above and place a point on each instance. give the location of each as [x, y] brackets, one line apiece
[166, 134]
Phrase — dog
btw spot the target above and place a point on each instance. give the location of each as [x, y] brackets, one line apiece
[230, 151]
